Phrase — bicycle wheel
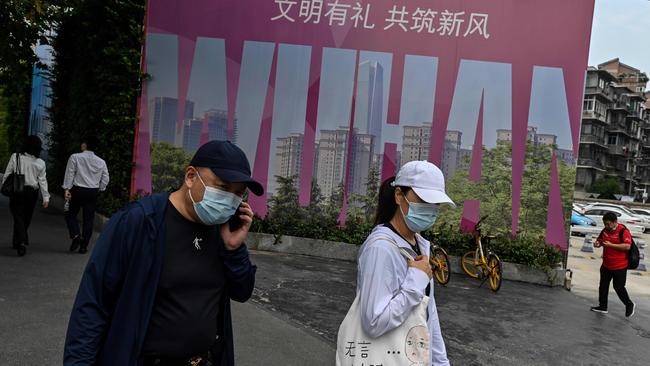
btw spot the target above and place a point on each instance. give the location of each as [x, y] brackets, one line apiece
[468, 262]
[496, 272]
[440, 264]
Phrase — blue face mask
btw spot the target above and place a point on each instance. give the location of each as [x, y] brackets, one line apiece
[217, 206]
[421, 216]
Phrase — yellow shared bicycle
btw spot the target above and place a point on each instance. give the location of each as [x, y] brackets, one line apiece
[439, 261]
[481, 264]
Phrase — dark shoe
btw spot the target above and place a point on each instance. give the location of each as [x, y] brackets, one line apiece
[76, 242]
[83, 249]
[22, 250]
[599, 309]
[629, 310]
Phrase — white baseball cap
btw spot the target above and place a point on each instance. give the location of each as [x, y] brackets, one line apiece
[426, 180]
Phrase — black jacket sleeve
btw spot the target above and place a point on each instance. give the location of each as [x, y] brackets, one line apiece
[240, 274]
[99, 291]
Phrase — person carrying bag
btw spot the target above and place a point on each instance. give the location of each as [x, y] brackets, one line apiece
[24, 177]
[406, 345]
[394, 319]
[14, 183]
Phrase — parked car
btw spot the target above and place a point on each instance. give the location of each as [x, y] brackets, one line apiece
[643, 220]
[596, 213]
[579, 230]
[579, 207]
[579, 219]
[642, 211]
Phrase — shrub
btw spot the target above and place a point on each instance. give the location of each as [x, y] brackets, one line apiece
[526, 249]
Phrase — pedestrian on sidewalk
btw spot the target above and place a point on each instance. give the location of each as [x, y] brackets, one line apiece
[22, 204]
[616, 240]
[158, 285]
[85, 176]
[391, 288]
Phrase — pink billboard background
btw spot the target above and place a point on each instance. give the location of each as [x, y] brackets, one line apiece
[492, 65]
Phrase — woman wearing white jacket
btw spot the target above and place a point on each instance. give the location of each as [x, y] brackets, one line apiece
[389, 286]
[22, 204]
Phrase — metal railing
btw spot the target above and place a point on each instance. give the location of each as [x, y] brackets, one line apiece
[617, 150]
[592, 139]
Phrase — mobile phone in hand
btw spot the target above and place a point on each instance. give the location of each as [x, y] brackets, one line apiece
[235, 221]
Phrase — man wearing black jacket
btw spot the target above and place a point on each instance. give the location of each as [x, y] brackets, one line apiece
[157, 288]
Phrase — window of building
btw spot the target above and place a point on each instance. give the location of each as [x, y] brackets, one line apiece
[611, 140]
[601, 83]
[586, 129]
[589, 103]
[600, 108]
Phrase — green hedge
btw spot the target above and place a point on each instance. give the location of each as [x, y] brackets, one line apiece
[95, 88]
[524, 249]
[319, 221]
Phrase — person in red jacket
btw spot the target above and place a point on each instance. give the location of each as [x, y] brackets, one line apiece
[614, 263]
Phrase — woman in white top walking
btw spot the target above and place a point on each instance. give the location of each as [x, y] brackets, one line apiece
[22, 204]
[389, 286]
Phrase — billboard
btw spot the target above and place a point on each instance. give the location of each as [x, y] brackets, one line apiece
[331, 91]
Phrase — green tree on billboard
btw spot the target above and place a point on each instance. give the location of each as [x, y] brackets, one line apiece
[495, 189]
[168, 164]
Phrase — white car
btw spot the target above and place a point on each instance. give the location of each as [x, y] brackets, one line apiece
[579, 207]
[581, 230]
[596, 213]
[642, 220]
[641, 211]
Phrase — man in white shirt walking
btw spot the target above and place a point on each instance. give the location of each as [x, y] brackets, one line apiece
[85, 176]
[22, 204]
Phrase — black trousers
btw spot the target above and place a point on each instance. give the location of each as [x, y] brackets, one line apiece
[619, 277]
[86, 199]
[22, 209]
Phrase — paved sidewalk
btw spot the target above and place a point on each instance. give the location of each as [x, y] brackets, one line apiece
[300, 301]
[521, 325]
[37, 292]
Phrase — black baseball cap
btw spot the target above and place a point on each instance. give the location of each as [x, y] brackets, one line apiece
[228, 162]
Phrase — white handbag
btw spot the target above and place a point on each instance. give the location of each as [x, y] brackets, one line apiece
[406, 345]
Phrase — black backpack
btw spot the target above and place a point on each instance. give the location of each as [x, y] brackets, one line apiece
[633, 256]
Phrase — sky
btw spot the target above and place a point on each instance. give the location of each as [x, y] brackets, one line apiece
[621, 28]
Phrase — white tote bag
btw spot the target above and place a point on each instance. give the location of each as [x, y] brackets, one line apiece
[406, 345]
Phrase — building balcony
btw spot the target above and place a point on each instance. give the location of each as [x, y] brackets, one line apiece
[618, 150]
[596, 116]
[595, 90]
[625, 131]
[637, 115]
[618, 106]
[587, 163]
[618, 173]
[643, 175]
[592, 139]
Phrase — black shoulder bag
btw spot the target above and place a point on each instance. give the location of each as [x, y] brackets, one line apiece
[15, 182]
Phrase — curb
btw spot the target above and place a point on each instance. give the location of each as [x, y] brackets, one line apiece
[302, 246]
[348, 252]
